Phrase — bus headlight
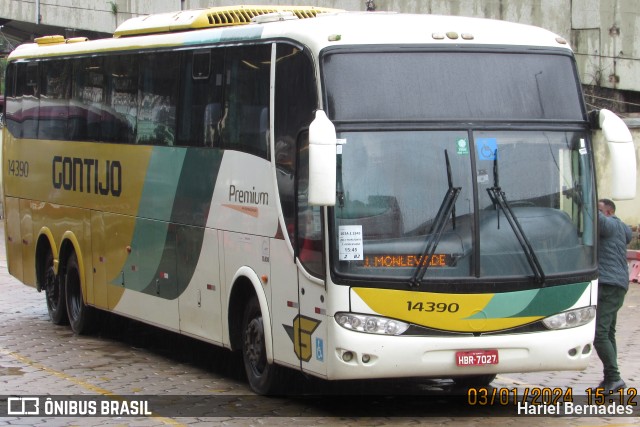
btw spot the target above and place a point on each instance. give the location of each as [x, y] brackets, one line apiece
[371, 324]
[571, 318]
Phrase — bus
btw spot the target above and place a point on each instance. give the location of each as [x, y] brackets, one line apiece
[349, 195]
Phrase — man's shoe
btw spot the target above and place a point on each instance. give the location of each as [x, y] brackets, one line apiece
[613, 385]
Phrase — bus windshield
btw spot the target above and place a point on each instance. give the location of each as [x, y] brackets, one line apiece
[470, 200]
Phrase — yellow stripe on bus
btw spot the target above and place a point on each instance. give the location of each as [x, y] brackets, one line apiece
[450, 312]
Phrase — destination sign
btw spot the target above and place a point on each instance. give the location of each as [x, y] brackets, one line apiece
[393, 261]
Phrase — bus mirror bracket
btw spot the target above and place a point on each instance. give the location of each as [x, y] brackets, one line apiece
[622, 164]
[322, 161]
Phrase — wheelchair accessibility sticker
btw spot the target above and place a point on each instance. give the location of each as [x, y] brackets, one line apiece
[319, 349]
[487, 148]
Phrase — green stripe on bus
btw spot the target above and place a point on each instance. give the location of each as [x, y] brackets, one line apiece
[160, 184]
[533, 302]
[172, 253]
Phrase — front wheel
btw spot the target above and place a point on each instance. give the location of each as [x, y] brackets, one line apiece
[263, 377]
[80, 315]
[54, 292]
[474, 380]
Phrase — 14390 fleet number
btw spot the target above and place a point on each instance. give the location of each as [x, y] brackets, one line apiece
[18, 168]
[430, 306]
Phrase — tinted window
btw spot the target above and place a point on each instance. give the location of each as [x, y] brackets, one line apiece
[119, 119]
[157, 99]
[12, 107]
[245, 122]
[55, 91]
[29, 95]
[423, 85]
[295, 102]
[201, 103]
[88, 99]
[207, 97]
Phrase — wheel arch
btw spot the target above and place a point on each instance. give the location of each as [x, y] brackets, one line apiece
[69, 246]
[247, 284]
[45, 243]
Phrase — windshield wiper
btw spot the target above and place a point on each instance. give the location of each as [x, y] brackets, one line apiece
[447, 207]
[500, 200]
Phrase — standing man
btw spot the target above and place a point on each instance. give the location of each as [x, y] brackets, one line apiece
[612, 287]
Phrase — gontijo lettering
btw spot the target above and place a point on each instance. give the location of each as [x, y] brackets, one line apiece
[87, 175]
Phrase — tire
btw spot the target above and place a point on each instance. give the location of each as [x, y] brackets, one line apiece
[80, 315]
[54, 292]
[474, 380]
[264, 378]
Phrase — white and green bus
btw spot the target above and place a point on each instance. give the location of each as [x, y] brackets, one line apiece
[350, 195]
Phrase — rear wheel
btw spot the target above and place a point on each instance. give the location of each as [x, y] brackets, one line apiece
[54, 292]
[263, 377]
[80, 315]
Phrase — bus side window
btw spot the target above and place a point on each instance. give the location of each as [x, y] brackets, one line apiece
[12, 108]
[295, 103]
[119, 119]
[245, 121]
[28, 91]
[53, 121]
[309, 217]
[201, 98]
[88, 98]
[157, 99]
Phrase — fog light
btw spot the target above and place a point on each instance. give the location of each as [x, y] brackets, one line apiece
[573, 352]
[586, 349]
[366, 358]
[347, 356]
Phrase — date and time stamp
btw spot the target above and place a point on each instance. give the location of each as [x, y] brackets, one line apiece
[558, 401]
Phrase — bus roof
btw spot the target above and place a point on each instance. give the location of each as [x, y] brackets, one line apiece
[223, 16]
[328, 28]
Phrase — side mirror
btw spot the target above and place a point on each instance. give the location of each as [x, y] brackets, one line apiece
[623, 155]
[322, 161]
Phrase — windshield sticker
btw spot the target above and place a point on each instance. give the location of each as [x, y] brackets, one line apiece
[582, 150]
[463, 146]
[350, 243]
[487, 148]
[483, 176]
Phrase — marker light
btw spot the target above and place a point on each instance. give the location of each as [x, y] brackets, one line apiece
[370, 324]
[571, 318]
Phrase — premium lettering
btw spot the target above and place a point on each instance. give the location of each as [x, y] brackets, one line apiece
[87, 175]
[253, 197]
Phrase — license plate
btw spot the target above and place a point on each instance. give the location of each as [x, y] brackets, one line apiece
[477, 357]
